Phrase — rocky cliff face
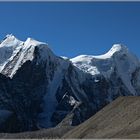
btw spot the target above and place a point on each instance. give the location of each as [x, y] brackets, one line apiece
[40, 89]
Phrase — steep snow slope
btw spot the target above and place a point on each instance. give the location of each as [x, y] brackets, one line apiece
[50, 102]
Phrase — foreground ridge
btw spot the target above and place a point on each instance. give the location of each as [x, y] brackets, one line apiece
[119, 119]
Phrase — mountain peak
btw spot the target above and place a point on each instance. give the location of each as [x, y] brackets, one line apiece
[10, 37]
[115, 48]
[12, 50]
[11, 41]
[33, 42]
[118, 47]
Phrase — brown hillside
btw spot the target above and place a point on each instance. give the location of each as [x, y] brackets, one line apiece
[120, 119]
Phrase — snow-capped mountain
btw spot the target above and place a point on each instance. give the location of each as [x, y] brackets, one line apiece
[40, 89]
[118, 57]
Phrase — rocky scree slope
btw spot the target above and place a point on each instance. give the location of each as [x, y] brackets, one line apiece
[39, 89]
[120, 119]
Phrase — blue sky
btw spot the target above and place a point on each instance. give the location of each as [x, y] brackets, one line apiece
[73, 28]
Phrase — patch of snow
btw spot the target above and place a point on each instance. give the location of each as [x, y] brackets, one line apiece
[83, 62]
[72, 101]
[96, 80]
[65, 95]
[64, 57]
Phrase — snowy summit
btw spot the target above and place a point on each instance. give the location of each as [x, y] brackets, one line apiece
[17, 52]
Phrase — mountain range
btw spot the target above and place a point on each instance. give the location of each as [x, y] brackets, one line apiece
[41, 90]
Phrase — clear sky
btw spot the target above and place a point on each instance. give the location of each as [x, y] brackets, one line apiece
[73, 28]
